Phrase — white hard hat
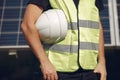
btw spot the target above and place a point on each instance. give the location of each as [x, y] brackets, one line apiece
[52, 26]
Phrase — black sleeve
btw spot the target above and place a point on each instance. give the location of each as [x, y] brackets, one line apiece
[41, 3]
[99, 4]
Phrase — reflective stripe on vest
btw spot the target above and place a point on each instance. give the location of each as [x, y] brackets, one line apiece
[83, 23]
[64, 55]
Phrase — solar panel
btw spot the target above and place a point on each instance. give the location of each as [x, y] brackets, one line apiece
[105, 22]
[11, 14]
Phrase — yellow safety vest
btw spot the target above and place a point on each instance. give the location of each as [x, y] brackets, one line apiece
[80, 45]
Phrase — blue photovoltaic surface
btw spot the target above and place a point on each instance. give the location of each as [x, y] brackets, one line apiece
[11, 14]
[105, 22]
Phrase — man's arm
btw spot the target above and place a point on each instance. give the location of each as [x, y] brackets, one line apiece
[101, 66]
[101, 55]
[32, 36]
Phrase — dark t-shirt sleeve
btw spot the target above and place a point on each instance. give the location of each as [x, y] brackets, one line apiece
[99, 4]
[41, 3]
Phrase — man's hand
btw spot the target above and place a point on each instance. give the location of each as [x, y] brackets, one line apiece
[100, 68]
[49, 72]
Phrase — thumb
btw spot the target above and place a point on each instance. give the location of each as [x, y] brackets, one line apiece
[96, 71]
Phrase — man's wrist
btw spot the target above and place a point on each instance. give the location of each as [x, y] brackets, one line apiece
[102, 61]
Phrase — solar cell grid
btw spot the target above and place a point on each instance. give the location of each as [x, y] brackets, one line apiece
[105, 22]
[13, 3]
[11, 14]
[1, 3]
[105, 1]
